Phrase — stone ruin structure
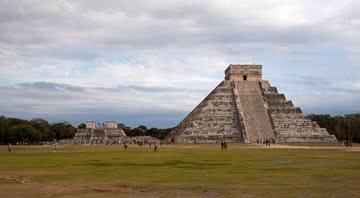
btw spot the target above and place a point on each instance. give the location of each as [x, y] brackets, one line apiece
[245, 108]
[107, 133]
[93, 133]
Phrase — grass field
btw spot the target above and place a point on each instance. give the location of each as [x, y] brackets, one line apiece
[180, 171]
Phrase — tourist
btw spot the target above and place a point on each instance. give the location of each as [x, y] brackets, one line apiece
[346, 143]
[155, 147]
[55, 147]
[9, 148]
[225, 146]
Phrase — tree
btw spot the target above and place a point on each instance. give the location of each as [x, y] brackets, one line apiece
[135, 132]
[82, 126]
[23, 133]
[3, 129]
[122, 126]
[63, 130]
[143, 127]
[43, 127]
[352, 122]
[13, 130]
[343, 127]
[158, 133]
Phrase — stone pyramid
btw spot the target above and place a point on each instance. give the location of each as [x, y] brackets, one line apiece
[244, 108]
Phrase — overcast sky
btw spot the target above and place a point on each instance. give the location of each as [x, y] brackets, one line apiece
[151, 62]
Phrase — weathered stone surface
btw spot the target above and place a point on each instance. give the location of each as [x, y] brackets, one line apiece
[245, 108]
[288, 122]
[256, 119]
[213, 120]
[99, 136]
[106, 134]
[95, 134]
[119, 140]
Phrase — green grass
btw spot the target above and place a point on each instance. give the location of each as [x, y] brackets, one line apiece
[179, 171]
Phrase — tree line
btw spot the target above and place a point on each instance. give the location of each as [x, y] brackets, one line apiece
[142, 130]
[34, 131]
[344, 127]
[37, 130]
[14, 130]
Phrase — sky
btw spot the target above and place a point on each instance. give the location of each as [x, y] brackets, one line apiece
[151, 62]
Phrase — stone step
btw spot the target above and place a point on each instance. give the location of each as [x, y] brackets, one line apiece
[220, 104]
[281, 116]
[196, 132]
[222, 97]
[294, 132]
[283, 107]
[271, 90]
[307, 139]
[223, 90]
[296, 123]
[274, 97]
[280, 103]
[256, 119]
[285, 111]
[293, 121]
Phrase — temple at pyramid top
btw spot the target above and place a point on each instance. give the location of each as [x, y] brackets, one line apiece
[244, 72]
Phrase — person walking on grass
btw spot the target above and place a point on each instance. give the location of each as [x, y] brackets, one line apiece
[55, 147]
[222, 145]
[225, 146]
[125, 146]
[9, 148]
[155, 147]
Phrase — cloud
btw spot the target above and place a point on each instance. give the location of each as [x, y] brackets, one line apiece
[82, 29]
[50, 86]
[76, 104]
[75, 56]
[333, 102]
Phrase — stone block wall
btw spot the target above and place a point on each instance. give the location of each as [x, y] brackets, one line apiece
[213, 120]
[237, 72]
[288, 121]
[99, 136]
